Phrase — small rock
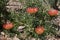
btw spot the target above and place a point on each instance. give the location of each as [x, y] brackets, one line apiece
[2, 33]
[9, 38]
[3, 38]
[15, 37]
[33, 38]
[20, 28]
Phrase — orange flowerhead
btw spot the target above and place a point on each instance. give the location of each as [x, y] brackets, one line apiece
[39, 29]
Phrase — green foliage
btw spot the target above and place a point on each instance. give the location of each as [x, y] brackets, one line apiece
[2, 10]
